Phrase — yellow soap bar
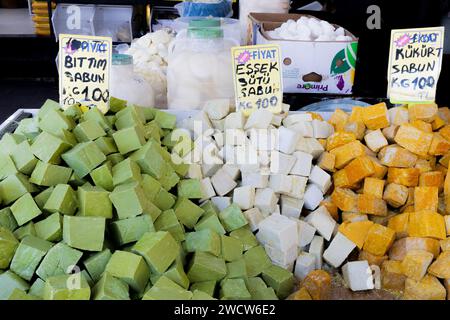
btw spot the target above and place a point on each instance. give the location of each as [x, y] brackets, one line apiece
[374, 187]
[356, 231]
[402, 246]
[339, 119]
[413, 139]
[339, 139]
[429, 288]
[392, 277]
[426, 198]
[399, 223]
[416, 263]
[346, 153]
[376, 116]
[379, 239]
[345, 199]
[427, 224]
[358, 169]
[369, 204]
[408, 177]
[439, 145]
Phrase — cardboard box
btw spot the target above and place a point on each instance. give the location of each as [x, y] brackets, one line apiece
[326, 67]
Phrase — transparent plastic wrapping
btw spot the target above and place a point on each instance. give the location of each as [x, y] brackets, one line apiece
[211, 8]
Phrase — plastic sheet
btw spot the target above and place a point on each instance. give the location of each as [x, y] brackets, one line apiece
[215, 8]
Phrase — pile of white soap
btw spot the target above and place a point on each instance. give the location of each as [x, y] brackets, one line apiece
[309, 29]
[150, 54]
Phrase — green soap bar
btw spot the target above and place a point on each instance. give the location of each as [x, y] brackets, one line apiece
[76, 181]
[190, 188]
[176, 273]
[28, 255]
[23, 158]
[10, 281]
[50, 228]
[168, 221]
[96, 115]
[42, 197]
[96, 263]
[67, 287]
[59, 260]
[234, 289]
[126, 172]
[67, 136]
[9, 142]
[49, 148]
[88, 131]
[210, 221]
[165, 120]
[132, 229]
[170, 178]
[232, 248]
[130, 268]
[74, 111]
[107, 145]
[129, 121]
[209, 207]
[133, 111]
[7, 219]
[37, 288]
[259, 291]
[94, 202]
[8, 245]
[26, 230]
[166, 289]
[14, 187]
[25, 209]
[151, 186]
[175, 137]
[206, 267]
[48, 105]
[47, 175]
[164, 200]
[159, 250]
[7, 166]
[110, 288]
[187, 212]
[84, 158]
[28, 128]
[152, 130]
[88, 278]
[149, 113]
[200, 295]
[180, 168]
[150, 160]
[115, 158]
[209, 287]
[54, 121]
[152, 210]
[256, 260]
[246, 236]
[129, 200]
[129, 139]
[116, 104]
[236, 269]
[281, 280]
[102, 177]
[232, 218]
[63, 199]
[111, 120]
[85, 233]
[20, 295]
[204, 240]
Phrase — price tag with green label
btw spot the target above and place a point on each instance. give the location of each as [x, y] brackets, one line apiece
[415, 63]
[257, 78]
[84, 69]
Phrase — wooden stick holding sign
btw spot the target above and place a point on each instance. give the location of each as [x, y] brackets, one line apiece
[84, 71]
[257, 78]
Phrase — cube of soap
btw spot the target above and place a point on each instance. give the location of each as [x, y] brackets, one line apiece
[259, 291]
[246, 237]
[256, 260]
[9, 281]
[165, 120]
[427, 224]
[54, 121]
[322, 221]
[85, 233]
[60, 288]
[96, 263]
[63, 199]
[187, 212]
[416, 263]
[47, 175]
[60, 259]
[279, 232]
[23, 158]
[190, 189]
[110, 288]
[305, 263]
[231, 248]
[129, 200]
[413, 139]
[208, 287]
[429, 288]
[234, 289]
[210, 221]
[107, 145]
[26, 230]
[28, 255]
[7, 166]
[166, 289]
[129, 139]
[159, 250]
[281, 280]
[49, 148]
[94, 202]
[168, 221]
[25, 209]
[8, 245]
[206, 267]
[84, 158]
[14, 187]
[358, 275]
[125, 172]
[50, 228]
[379, 239]
[204, 241]
[176, 273]
[232, 218]
[131, 229]
[88, 131]
[339, 249]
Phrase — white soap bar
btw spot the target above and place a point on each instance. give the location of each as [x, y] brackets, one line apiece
[254, 217]
[232, 170]
[195, 172]
[322, 221]
[259, 119]
[282, 257]
[278, 232]
[314, 147]
[375, 140]
[217, 109]
[235, 120]
[218, 138]
[305, 129]
[338, 250]
[218, 124]
[358, 275]
[280, 183]
[303, 146]
[255, 180]
[303, 164]
[281, 163]
[322, 129]
[291, 207]
[277, 119]
[200, 124]
[320, 178]
[235, 137]
[296, 118]
[210, 169]
[287, 140]
[264, 139]
[244, 197]
[306, 262]
[313, 197]
[298, 187]
[306, 233]
[398, 116]
[223, 183]
[207, 188]
[316, 248]
[265, 200]
[264, 158]
[221, 202]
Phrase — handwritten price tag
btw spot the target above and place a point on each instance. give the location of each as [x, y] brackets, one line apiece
[84, 69]
[257, 78]
[415, 63]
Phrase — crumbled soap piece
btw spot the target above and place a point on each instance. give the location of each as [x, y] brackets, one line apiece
[85, 233]
[416, 263]
[428, 288]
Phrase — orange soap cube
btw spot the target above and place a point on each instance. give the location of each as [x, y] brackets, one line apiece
[357, 128]
[359, 169]
[408, 177]
[402, 246]
[340, 179]
[441, 267]
[426, 198]
[413, 139]
[339, 139]
[396, 156]
[445, 132]
[424, 112]
[346, 153]
[392, 277]
[379, 169]
[427, 224]
[416, 263]
[431, 179]
[379, 239]
[399, 223]
[372, 205]
[396, 195]
[374, 187]
[327, 161]
[318, 284]
[301, 294]
[429, 288]
[345, 199]
[372, 259]
[357, 114]
[438, 123]
[424, 165]
[338, 119]
[439, 145]
[356, 231]
[422, 125]
[376, 117]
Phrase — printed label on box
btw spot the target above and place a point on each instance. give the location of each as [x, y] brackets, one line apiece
[415, 63]
[84, 70]
[257, 78]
